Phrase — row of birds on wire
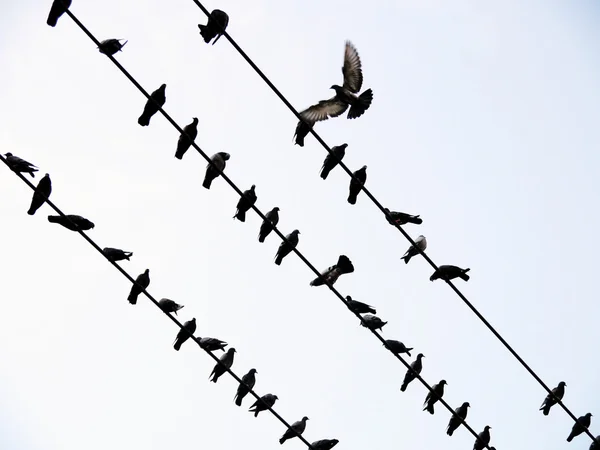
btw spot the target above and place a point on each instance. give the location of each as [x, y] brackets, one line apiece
[346, 96]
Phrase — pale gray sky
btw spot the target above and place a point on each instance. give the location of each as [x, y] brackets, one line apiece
[484, 121]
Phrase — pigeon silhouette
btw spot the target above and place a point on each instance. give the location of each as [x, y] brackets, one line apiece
[141, 282]
[116, 254]
[41, 194]
[245, 202]
[296, 429]
[110, 47]
[19, 165]
[413, 250]
[324, 444]
[411, 374]
[153, 104]
[448, 272]
[212, 172]
[169, 306]
[184, 333]
[212, 344]
[400, 218]
[221, 367]
[262, 404]
[356, 184]
[186, 138]
[72, 222]
[552, 399]
[331, 274]
[245, 386]
[483, 439]
[216, 26]
[58, 8]
[286, 247]
[457, 419]
[582, 424]
[271, 221]
[332, 159]
[372, 322]
[436, 393]
[358, 307]
[397, 347]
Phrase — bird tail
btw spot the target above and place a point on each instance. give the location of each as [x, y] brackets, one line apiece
[435, 276]
[570, 438]
[128, 255]
[324, 172]
[240, 215]
[206, 33]
[406, 258]
[179, 154]
[352, 198]
[32, 210]
[408, 351]
[374, 311]
[144, 120]
[238, 400]
[317, 282]
[54, 219]
[177, 344]
[345, 265]
[52, 17]
[207, 182]
[464, 275]
[361, 105]
[278, 259]
[449, 431]
[416, 220]
[404, 386]
[256, 411]
[282, 440]
[545, 409]
[429, 408]
[132, 298]
[262, 235]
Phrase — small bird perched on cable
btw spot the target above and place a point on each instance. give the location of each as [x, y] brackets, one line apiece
[436, 393]
[187, 138]
[262, 404]
[483, 439]
[449, 272]
[413, 250]
[141, 282]
[153, 104]
[226, 361]
[458, 419]
[296, 429]
[337, 154]
[220, 161]
[41, 194]
[332, 273]
[248, 382]
[582, 424]
[400, 218]
[359, 307]
[553, 398]
[169, 306]
[185, 333]
[116, 254]
[286, 247]
[271, 221]
[110, 47]
[19, 165]
[245, 202]
[216, 26]
[416, 366]
[356, 184]
[72, 222]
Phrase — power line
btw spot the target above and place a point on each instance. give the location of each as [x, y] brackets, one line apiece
[404, 233]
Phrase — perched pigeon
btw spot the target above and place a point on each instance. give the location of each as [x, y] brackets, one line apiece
[218, 160]
[324, 444]
[169, 306]
[359, 307]
[245, 202]
[552, 399]
[286, 247]
[483, 439]
[72, 222]
[397, 347]
[41, 194]
[582, 424]
[185, 140]
[272, 219]
[457, 419]
[356, 184]
[593, 445]
[216, 26]
[225, 363]
[212, 344]
[400, 218]
[302, 130]
[346, 95]
[19, 165]
[448, 272]
[116, 254]
[58, 9]
[372, 322]
[296, 429]
[185, 333]
[436, 393]
[337, 154]
[331, 274]
[247, 383]
[411, 374]
[111, 46]
[153, 104]
[413, 250]
[141, 282]
[262, 404]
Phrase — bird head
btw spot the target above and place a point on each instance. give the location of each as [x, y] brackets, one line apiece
[163, 87]
[276, 209]
[305, 418]
[275, 397]
[225, 155]
[363, 168]
[336, 88]
[195, 120]
[231, 351]
[253, 371]
[348, 298]
[562, 383]
[443, 382]
[420, 355]
[344, 145]
[8, 155]
[487, 427]
[296, 232]
[466, 405]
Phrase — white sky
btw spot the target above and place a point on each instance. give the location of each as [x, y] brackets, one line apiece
[484, 121]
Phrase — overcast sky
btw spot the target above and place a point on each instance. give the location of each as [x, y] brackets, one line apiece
[484, 121]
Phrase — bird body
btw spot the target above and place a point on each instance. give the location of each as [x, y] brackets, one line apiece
[302, 130]
[331, 274]
[271, 221]
[582, 424]
[296, 429]
[449, 272]
[186, 138]
[397, 347]
[337, 154]
[226, 361]
[457, 419]
[262, 404]
[372, 322]
[483, 439]
[356, 184]
[245, 202]
[245, 386]
[286, 247]
[111, 46]
[359, 307]
[552, 399]
[19, 165]
[153, 104]
[212, 344]
[212, 172]
[141, 282]
[413, 250]
[116, 254]
[169, 306]
[72, 222]
[436, 393]
[216, 26]
[400, 218]
[58, 8]
[41, 194]
[415, 369]
[184, 333]
[324, 444]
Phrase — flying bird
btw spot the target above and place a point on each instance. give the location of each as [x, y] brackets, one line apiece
[141, 282]
[458, 419]
[436, 393]
[153, 104]
[221, 367]
[245, 202]
[582, 424]
[19, 165]
[356, 184]
[332, 159]
[411, 374]
[400, 218]
[169, 306]
[247, 383]
[372, 322]
[216, 26]
[552, 399]
[359, 307]
[483, 439]
[302, 130]
[271, 221]
[262, 404]
[111, 46]
[331, 274]
[287, 246]
[324, 444]
[116, 254]
[212, 172]
[397, 347]
[211, 344]
[41, 194]
[186, 138]
[296, 429]
[72, 222]
[185, 333]
[58, 9]
[413, 250]
[448, 272]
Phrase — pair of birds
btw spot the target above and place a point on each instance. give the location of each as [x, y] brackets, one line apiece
[369, 320]
[359, 177]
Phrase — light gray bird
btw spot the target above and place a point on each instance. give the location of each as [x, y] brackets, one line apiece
[582, 424]
[40, 195]
[219, 161]
[397, 347]
[186, 138]
[411, 374]
[157, 99]
[448, 272]
[169, 306]
[245, 386]
[337, 154]
[324, 444]
[19, 165]
[458, 419]
[483, 439]
[110, 47]
[413, 250]
[141, 282]
[552, 399]
[296, 429]
[245, 202]
[436, 393]
[221, 368]
[72, 222]
[116, 254]
[262, 404]
[356, 184]
[59, 7]
[216, 26]
[272, 219]
[212, 344]
[285, 248]
[400, 218]
[359, 307]
[332, 273]
[372, 322]
[185, 333]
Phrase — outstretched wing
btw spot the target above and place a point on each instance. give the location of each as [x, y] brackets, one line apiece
[352, 71]
[324, 110]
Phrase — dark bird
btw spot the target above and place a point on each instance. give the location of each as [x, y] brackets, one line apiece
[458, 419]
[413, 250]
[552, 399]
[324, 444]
[41, 194]
[271, 221]
[212, 344]
[372, 322]
[331, 274]
[58, 9]
[332, 159]
[346, 95]
[593, 445]
[247, 383]
[400, 218]
[72, 222]
[296, 429]
[185, 333]
[221, 367]
[359, 307]
[153, 104]
[186, 138]
[216, 26]
[212, 172]
[302, 130]
[483, 439]
[111, 46]
[436, 393]
[397, 347]
[582, 424]
[356, 184]
[287, 246]
[169, 306]
[116, 254]
[245, 202]
[141, 282]
[262, 404]
[448, 272]
[411, 374]
[19, 165]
